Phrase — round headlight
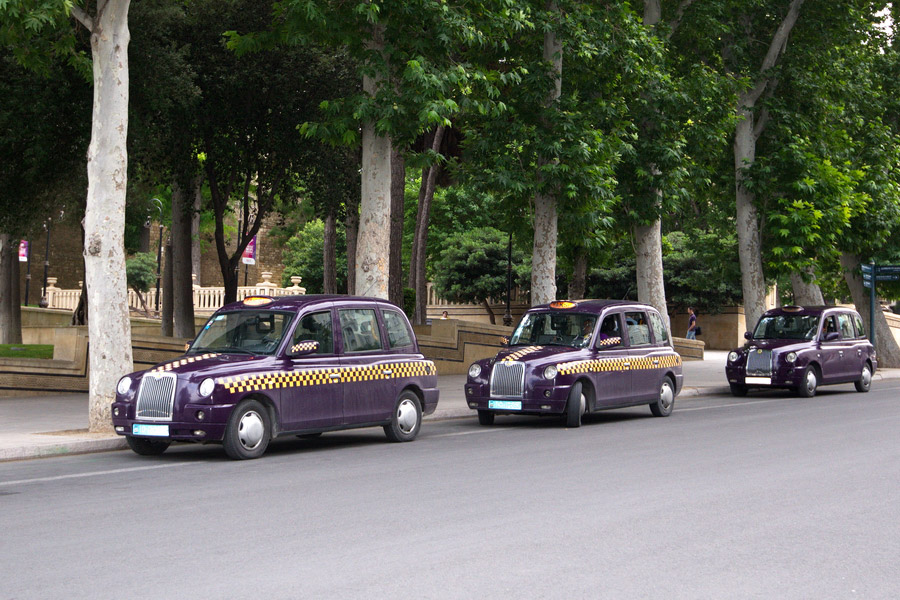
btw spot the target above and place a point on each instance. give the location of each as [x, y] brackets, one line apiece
[124, 385]
[791, 357]
[550, 372]
[732, 356]
[207, 386]
[474, 370]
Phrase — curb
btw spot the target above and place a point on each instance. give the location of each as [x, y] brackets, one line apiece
[63, 449]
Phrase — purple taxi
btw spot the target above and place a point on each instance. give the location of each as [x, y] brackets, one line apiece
[570, 358]
[268, 367]
[801, 348]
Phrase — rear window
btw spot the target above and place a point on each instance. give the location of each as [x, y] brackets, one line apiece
[659, 329]
[638, 328]
[860, 327]
[398, 333]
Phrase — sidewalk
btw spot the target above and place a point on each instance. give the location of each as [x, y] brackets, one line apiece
[42, 426]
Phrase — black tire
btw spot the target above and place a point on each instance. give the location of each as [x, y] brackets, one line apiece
[738, 389]
[309, 436]
[485, 417]
[809, 383]
[663, 405]
[146, 447]
[864, 383]
[406, 420]
[576, 406]
[248, 431]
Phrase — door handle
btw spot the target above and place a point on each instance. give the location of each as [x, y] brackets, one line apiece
[335, 375]
[840, 352]
[387, 371]
[628, 364]
[656, 361]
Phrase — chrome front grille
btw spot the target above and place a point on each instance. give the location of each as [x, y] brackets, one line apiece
[507, 380]
[156, 397]
[759, 362]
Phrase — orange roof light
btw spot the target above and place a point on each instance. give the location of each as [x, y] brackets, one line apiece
[257, 301]
[562, 304]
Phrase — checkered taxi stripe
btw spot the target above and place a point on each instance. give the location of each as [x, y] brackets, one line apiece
[520, 353]
[289, 379]
[183, 361]
[624, 363]
[304, 346]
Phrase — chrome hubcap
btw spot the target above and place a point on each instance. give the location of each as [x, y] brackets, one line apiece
[866, 376]
[251, 430]
[407, 417]
[666, 397]
[583, 404]
[811, 381]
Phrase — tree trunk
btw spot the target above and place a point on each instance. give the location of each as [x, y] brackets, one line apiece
[806, 294]
[182, 285]
[398, 192]
[10, 296]
[420, 239]
[487, 307]
[109, 328]
[167, 313]
[80, 314]
[543, 260]
[196, 262]
[886, 347]
[579, 274]
[351, 229]
[329, 262]
[753, 282]
[649, 265]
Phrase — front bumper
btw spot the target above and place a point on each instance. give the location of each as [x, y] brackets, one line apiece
[784, 376]
[186, 426]
[540, 400]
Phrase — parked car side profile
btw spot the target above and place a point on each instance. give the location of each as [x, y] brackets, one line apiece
[269, 367]
[801, 348]
[570, 358]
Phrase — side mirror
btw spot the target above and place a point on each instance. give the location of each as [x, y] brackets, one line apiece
[609, 343]
[831, 336]
[303, 348]
[748, 335]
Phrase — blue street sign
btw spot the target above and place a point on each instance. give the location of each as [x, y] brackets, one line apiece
[887, 270]
[866, 268]
[881, 277]
[867, 283]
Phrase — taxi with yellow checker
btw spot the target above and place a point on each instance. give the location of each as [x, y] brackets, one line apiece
[268, 367]
[570, 358]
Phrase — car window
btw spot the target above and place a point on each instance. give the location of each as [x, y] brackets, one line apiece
[317, 327]
[398, 333]
[243, 331]
[860, 328]
[845, 326]
[638, 328]
[829, 326]
[610, 328]
[659, 329]
[359, 328]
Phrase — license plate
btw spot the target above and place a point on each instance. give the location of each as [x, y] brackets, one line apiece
[505, 404]
[150, 430]
[758, 380]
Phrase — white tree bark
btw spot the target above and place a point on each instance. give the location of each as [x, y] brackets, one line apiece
[10, 309]
[109, 327]
[886, 347]
[543, 257]
[649, 265]
[806, 293]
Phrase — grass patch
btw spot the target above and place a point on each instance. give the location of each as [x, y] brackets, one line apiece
[26, 350]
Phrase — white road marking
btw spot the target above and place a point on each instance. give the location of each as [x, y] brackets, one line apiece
[747, 403]
[96, 473]
[486, 430]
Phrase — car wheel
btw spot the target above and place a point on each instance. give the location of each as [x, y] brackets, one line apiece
[248, 431]
[666, 401]
[576, 405]
[485, 417]
[809, 383]
[865, 379]
[406, 419]
[146, 447]
[738, 389]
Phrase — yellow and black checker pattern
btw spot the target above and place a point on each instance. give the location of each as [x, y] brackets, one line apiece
[620, 363]
[289, 379]
[305, 346]
[520, 353]
[183, 361]
[610, 341]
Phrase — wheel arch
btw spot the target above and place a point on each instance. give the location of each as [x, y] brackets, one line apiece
[271, 409]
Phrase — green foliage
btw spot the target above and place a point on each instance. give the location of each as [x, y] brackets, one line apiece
[472, 266]
[26, 351]
[409, 302]
[302, 256]
[140, 271]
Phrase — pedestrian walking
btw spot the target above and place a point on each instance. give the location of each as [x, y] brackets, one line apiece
[692, 324]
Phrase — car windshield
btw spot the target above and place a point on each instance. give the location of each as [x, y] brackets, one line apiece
[787, 327]
[242, 332]
[554, 329]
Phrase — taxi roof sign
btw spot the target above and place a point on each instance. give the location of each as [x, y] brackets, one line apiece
[257, 300]
[562, 304]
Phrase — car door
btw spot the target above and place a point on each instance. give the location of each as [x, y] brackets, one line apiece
[850, 353]
[612, 378]
[365, 366]
[645, 378]
[313, 395]
[831, 348]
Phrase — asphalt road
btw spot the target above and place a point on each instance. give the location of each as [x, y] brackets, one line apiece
[770, 496]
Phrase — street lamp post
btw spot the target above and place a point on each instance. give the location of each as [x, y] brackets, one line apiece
[44, 303]
[28, 274]
[158, 203]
